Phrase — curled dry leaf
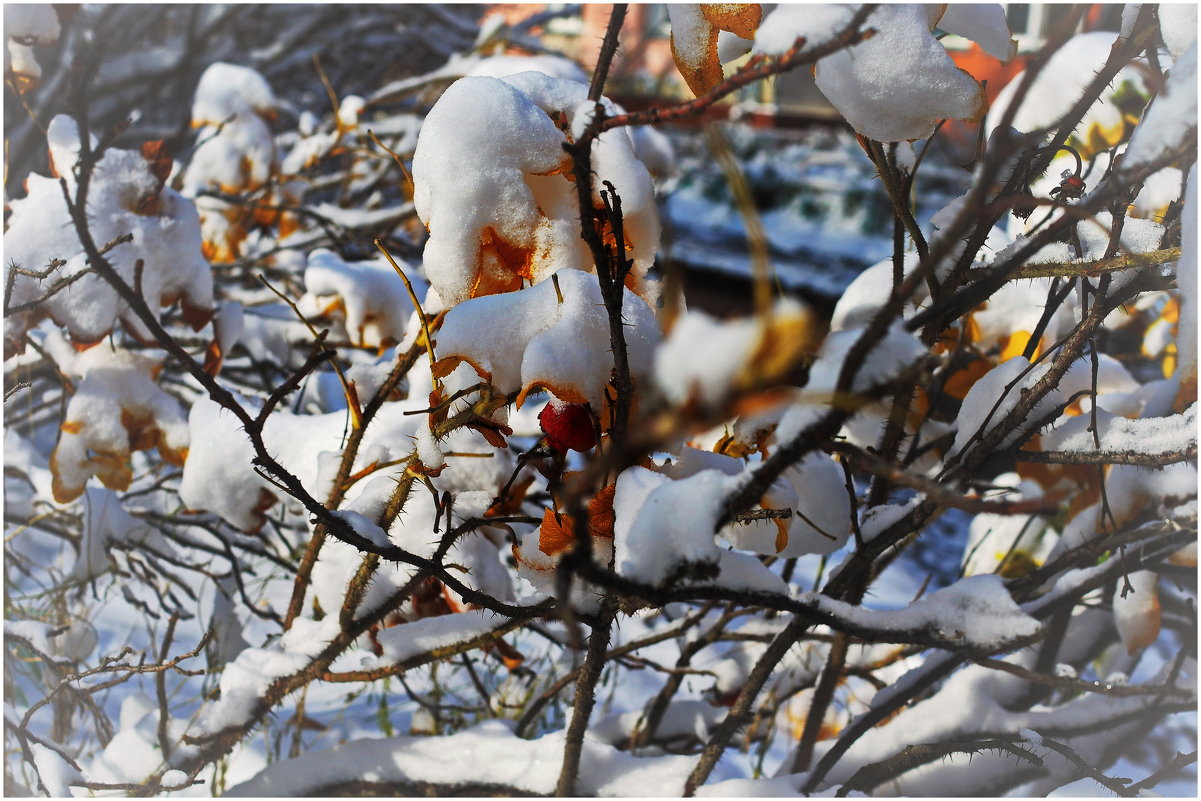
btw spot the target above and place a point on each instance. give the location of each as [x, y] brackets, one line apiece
[694, 34]
[557, 533]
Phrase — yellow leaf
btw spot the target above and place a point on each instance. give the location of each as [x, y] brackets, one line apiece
[694, 35]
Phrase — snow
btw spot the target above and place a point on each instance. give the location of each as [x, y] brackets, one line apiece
[228, 89]
[895, 351]
[1117, 390]
[487, 753]
[1066, 75]
[76, 643]
[106, 525]
[506, 64]
[218, 475]
[994, 539]
[1136, 610]
[526, 339]
[174, 778]
[1065, 671]
[408, 640]
[236, 152]
[1186, 281]
[26, 25]
[983, 23]
[1138, 236]
[988, 401]
[1154, 435]
[56, 775]
[742, 571]
[878, 519]
[369, 295]
[1172, 118]
[662, 524]
[778, 787]
[1129, 490]
[822, 512]
[491, 186]
[786, 23]
[666, 508]
[1158, 191]
[682, 718]
[117, 407]
[1178, 25]
[125, 198]
[243, 683]
[539, 569]
[732, 349]
[694, 46]
[31, 21]
[364, 527]
[35, 632]
[901, 82]
[428, 452]
[1030, 736]
[1013, 312]
[976, 611]
[864, 296]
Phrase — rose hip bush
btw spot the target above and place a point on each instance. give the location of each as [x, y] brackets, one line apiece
[359, 441]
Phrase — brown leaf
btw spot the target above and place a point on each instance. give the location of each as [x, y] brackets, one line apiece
[740, 19]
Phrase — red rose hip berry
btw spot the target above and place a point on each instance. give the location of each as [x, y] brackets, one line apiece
[568, 426]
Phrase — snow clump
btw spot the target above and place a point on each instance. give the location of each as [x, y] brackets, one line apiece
[127, 198]
[491, 185]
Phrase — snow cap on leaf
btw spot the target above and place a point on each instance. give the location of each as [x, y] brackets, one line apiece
[117, 408]
[526, 340]
[736, 356]
[368, 295]
[984, 24]
[899, 83]
[695, 30]
[232, 107]
[1067, 73]
[127, 197]
[493, 185]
